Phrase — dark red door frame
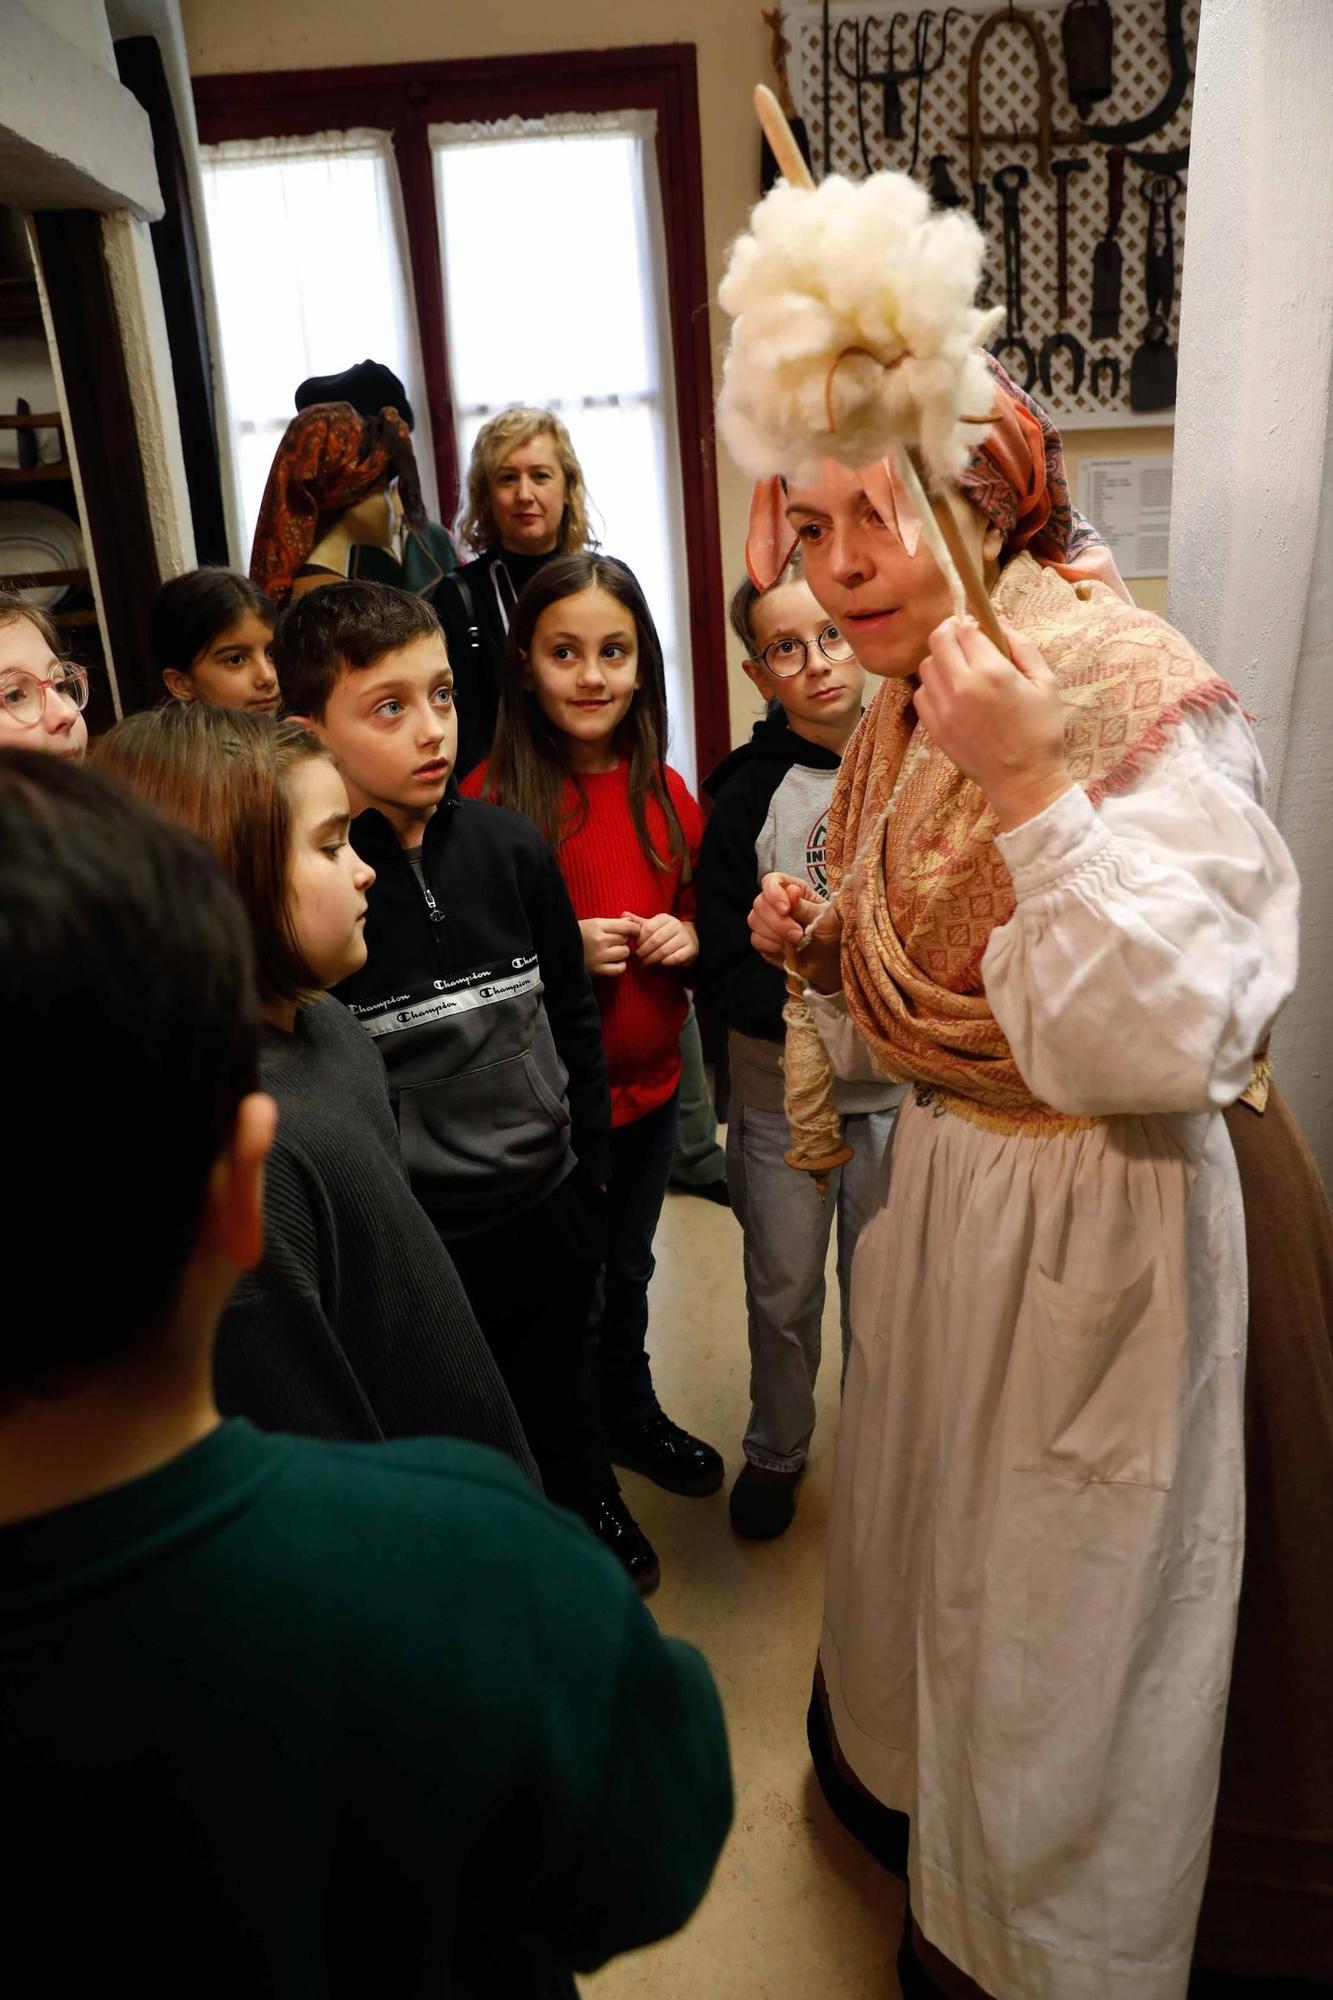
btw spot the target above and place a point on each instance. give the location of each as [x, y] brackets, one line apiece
[404, 99]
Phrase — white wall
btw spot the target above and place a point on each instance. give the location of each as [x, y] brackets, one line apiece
[1252, 520]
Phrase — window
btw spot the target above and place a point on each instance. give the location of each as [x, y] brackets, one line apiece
[656, 397]
[310, 267]
[579, 324]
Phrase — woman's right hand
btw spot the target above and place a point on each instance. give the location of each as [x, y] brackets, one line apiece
[607, 944]
[779, 918]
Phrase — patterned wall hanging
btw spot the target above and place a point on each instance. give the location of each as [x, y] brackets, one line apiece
[1064, 120]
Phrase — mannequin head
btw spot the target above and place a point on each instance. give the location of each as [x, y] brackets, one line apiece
[376, 521]
[209, 632]
[525, 489]
[328, 487]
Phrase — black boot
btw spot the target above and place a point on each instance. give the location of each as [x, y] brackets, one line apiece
[763, 1502]
[616, 1529]
[667, 1455]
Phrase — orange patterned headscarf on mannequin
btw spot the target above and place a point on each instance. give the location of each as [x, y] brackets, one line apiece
[329, 458]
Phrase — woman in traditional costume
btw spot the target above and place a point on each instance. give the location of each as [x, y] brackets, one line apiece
[1061, 914]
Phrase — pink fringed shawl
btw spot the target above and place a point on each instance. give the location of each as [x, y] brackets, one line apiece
[920, 899]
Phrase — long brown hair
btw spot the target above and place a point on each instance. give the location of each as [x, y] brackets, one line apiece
[226, 776]
[528, 768]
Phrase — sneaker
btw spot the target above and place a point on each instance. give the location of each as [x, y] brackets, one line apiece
[667, 1455]
[617, 1530]
[762, 1503]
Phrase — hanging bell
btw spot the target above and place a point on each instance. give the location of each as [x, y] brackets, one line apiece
[1087, 32]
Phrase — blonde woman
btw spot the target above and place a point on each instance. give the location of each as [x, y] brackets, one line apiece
[525, 502]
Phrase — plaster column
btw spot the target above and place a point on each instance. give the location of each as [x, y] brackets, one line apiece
[1252, 519]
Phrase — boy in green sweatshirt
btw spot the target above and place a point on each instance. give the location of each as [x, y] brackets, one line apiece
[276, 1716]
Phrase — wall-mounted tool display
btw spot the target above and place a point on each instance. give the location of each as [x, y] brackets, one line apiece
[1088, 34]
[1013, 350]
[1131, 130]
[778, 54]
[1026, 85]
[942, 190]
[1042, 137]
[1152, 372]
[1062, 340]
[853, 57]
[1107, 260]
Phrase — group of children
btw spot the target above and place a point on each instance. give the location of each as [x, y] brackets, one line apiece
[476, 1131]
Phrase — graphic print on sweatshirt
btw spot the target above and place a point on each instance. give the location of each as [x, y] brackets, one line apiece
[816, 856]
[485, 986]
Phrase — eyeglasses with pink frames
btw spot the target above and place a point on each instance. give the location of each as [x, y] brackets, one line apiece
[23, 695]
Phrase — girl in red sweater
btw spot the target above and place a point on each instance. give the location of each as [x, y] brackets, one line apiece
[579, 749]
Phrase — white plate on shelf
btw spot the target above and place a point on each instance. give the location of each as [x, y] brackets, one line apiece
[34, 538]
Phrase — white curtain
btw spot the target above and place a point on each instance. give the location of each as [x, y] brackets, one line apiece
[312, 273]
[554, 261]
[1252, 512]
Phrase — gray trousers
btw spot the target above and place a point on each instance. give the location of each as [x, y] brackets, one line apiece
[786, 1228]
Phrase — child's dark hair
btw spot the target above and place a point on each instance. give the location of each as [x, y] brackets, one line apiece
[128, 1012]
[191, 611]
[226, 776]
[747, 594]
[527, 767]
[342, 628]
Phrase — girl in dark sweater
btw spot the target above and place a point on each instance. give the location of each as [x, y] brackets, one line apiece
[354, 1324]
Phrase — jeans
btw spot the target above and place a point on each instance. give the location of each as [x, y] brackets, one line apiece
[640, 1163]
[699, 1160]
[786, 1228]
[531, 1285]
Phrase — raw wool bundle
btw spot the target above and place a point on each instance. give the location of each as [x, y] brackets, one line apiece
[856, 302]
[814, 1126]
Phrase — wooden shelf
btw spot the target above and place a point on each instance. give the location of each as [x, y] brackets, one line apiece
[44, 420]
[18, 299]
[39, 579]
[73, 617]
[34, 475]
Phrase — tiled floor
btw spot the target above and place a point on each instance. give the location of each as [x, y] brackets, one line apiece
[797, 1910]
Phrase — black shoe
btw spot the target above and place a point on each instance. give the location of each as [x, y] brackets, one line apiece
[706, 1190]
[763, 1503]
[667, 1455]
[617, 1530]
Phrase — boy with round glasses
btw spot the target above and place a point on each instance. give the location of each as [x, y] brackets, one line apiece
[770, 811]
[42, 697]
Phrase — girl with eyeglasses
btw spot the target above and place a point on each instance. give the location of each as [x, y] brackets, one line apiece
[42, 696]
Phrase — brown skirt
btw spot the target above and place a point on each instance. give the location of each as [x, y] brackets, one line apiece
[1268, 1904]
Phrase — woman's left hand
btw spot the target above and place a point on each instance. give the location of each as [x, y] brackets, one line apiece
[1001, 721]
[664, 940]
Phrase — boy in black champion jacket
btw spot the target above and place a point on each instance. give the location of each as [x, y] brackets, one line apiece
[475, 993]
